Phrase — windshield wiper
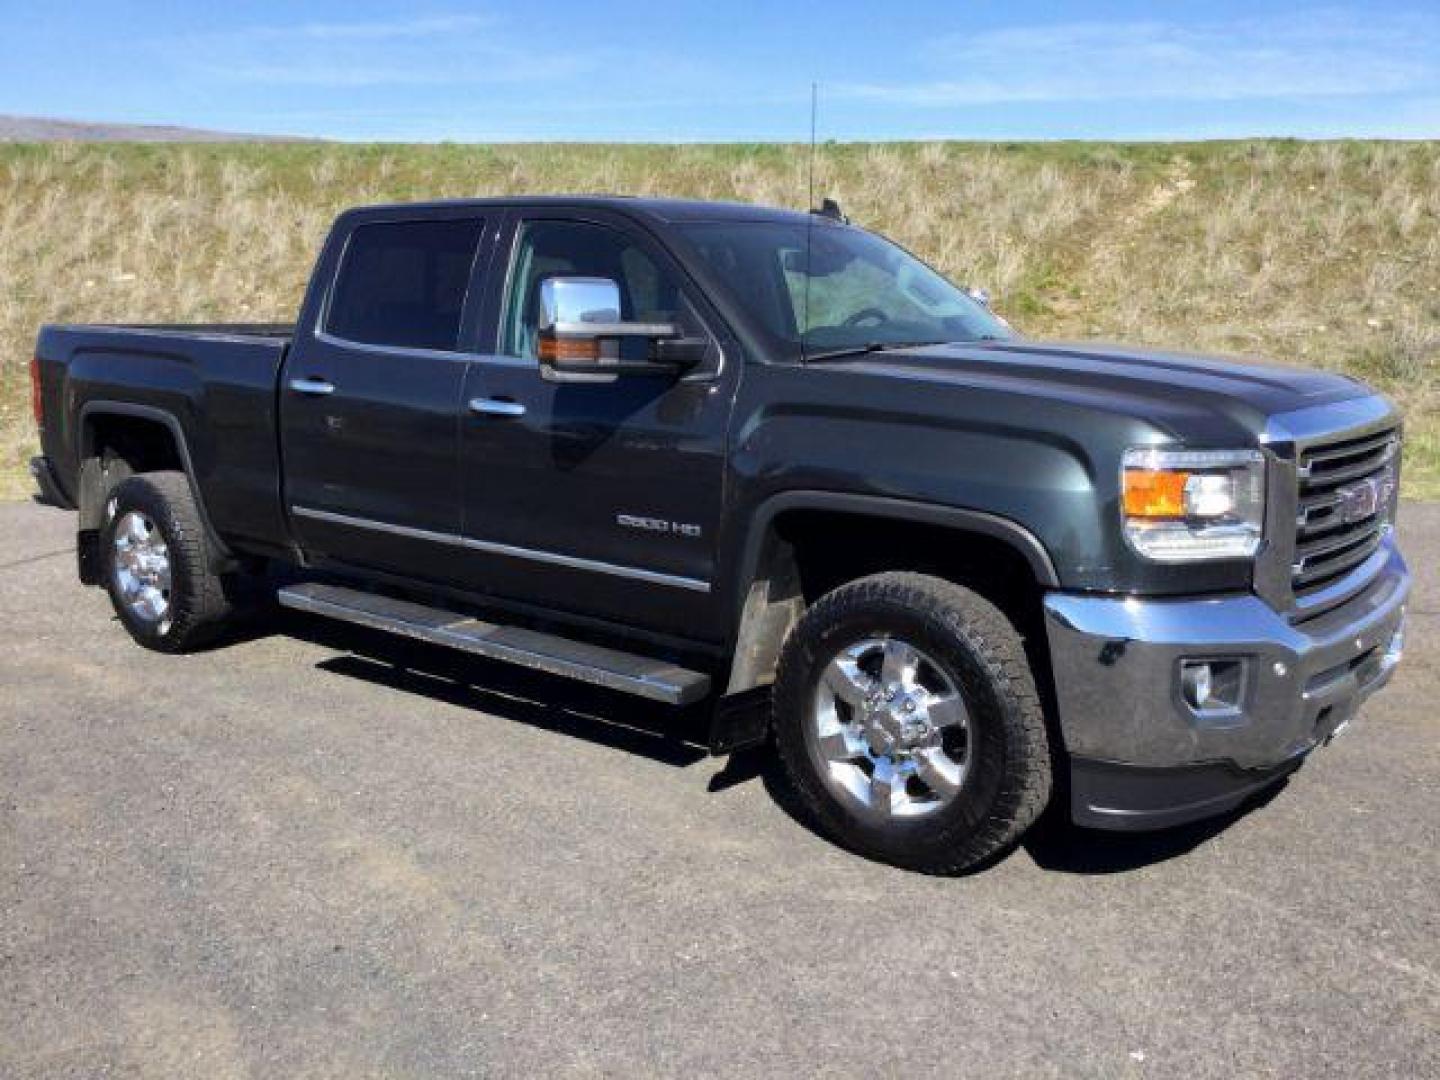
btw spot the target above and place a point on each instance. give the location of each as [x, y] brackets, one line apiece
[868, 347]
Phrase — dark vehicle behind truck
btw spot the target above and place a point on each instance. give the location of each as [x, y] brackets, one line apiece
[768, 463]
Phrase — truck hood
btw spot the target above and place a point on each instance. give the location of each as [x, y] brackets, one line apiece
[1169, 388]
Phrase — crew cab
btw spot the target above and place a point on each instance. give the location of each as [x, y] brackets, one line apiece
[767, 463]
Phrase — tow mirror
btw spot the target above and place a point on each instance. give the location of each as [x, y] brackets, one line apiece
[580, 331]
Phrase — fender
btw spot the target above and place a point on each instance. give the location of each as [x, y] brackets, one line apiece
[90, 508]
[766, 600]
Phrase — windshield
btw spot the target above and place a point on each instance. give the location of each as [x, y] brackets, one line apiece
[854, 290]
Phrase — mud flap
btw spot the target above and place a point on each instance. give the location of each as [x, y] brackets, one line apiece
[87, 556]
[740, 720]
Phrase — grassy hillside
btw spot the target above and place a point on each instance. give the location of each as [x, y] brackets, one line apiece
[1325, 254]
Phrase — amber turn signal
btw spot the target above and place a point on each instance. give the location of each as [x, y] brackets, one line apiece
[1155, 493]
[556, 348]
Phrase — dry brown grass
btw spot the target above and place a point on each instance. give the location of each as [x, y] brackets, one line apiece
[1317, 253]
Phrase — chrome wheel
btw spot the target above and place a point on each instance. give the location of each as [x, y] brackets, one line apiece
[890, 733]
[141, 563]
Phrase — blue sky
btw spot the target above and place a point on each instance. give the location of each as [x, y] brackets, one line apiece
[717, 70]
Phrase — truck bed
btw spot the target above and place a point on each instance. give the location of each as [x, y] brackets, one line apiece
[214, 384]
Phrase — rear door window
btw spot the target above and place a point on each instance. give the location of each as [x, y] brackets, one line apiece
[403, 283]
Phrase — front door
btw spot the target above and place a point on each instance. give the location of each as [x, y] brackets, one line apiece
[370, 397]
[599, 498]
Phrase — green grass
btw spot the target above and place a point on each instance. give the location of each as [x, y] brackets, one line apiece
[1323, 254]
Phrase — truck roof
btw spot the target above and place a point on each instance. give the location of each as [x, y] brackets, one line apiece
[659, 209]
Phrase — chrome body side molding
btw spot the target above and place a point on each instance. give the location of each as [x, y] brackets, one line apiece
[554, 558]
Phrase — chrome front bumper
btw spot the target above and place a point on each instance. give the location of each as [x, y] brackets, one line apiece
[1116, 664]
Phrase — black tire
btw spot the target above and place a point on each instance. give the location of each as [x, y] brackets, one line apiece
[198, 604]
[1008, 782]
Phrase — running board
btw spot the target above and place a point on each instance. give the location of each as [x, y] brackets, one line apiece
[642, 676]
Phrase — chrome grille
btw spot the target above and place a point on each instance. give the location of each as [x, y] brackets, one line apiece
[1346, 492]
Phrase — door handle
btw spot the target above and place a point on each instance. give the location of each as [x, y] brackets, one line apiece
[312, 387]
[496, 407]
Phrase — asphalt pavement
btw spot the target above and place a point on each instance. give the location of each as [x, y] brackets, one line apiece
[316, 851]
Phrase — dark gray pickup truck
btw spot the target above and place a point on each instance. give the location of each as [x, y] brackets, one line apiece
[768, 463]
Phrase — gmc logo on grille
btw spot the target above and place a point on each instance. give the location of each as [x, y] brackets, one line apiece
[1360, 501]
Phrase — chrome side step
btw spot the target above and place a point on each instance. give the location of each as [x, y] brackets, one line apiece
[657, 680]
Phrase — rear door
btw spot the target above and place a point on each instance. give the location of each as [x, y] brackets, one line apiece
[371, 391]
[600, 498]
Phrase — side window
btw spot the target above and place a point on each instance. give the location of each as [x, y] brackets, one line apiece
[403, 283]
[568, 248]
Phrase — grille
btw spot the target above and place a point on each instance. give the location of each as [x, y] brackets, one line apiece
[1346, 489]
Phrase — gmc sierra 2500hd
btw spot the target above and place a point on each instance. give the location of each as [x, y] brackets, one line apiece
[768, 461]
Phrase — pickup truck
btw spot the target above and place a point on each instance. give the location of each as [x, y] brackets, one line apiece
[766, 463]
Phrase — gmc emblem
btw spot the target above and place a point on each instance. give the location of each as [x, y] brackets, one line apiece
[1360, 501]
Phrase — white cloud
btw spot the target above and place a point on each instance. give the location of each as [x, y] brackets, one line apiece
[1324, 53]
[418, 27]
[430, 50]
[449, 50]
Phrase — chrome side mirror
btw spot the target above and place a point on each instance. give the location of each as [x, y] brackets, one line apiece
[578, 305]
[979, 295]
[580, 330]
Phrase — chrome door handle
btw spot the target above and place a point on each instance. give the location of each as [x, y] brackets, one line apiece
[496, 407]
[313, 387]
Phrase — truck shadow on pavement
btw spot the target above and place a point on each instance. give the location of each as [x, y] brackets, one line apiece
[1057, 844]
[679, 737]
[658, 732]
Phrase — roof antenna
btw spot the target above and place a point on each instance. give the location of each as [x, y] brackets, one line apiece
[814, 108]
[828, 207]
[809, 217]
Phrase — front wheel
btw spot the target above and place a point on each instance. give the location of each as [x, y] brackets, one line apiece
[908, 723]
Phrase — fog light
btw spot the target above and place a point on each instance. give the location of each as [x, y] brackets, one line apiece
[1197, 682]
[1212, 687]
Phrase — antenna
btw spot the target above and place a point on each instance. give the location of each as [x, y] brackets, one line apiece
[809, 216]
[814, 109]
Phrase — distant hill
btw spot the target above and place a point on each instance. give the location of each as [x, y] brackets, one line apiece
[46, 129]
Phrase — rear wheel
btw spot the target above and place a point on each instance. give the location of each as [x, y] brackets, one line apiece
[909, 725]
[157, 564]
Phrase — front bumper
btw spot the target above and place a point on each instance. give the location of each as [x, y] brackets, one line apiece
[1143, 758]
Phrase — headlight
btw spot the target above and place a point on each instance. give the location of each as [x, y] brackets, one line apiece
[1193, 505]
